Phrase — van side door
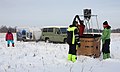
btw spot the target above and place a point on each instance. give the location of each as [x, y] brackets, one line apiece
[57, 36]
[50, 34]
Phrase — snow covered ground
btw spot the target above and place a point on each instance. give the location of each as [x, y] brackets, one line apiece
[49, 57]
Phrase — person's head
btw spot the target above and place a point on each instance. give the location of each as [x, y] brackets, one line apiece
[105, 24]
[75, 23]
[82, 22]
[9, 31]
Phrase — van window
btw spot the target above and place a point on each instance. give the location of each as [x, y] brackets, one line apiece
[50, 29]
[63, 30]
[45, 30]
[57, 30]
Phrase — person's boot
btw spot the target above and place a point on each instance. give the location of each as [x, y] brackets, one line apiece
[70, 57]
[104, 55]
[108, 55]
[74, 58]
[8, 45]
[13, 44]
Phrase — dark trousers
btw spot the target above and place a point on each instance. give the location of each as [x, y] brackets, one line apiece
[106, 46]
[72, 49]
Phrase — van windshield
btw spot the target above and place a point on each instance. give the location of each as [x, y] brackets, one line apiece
[63, 30]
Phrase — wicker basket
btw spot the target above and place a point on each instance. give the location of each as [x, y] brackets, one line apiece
[90, 45]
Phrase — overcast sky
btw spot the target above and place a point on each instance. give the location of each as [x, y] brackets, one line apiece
[56, 12]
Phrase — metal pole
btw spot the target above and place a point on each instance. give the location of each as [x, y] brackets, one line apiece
[92, 25]
[97, 24]
[86, 26]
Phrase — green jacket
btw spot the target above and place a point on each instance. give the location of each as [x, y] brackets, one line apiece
[106, 34]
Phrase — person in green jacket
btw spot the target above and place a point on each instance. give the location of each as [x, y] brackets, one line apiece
[106, 40]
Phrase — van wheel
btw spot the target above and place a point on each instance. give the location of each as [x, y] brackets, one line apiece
[47, 40]
[24, 39]
[65, 40]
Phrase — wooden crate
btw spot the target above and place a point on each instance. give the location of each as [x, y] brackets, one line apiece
[90, 46]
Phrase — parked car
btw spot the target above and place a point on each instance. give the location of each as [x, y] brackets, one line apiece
[54, 34]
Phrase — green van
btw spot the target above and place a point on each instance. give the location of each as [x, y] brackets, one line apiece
[54, 34]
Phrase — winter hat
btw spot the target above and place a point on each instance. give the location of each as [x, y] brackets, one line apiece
[81, 22]
[9, 31]
[105, 23]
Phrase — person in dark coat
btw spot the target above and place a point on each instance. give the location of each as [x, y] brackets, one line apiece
[72, 40]
[9, 38]
[106, 40]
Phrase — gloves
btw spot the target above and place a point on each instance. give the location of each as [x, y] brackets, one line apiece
[78, 46]
[77, 16]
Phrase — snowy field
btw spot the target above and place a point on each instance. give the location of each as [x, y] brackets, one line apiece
[49, 57]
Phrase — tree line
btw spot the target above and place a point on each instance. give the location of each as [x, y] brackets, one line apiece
[100, 31]
[4, 29]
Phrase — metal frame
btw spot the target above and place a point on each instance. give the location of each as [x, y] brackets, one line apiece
[87, 22]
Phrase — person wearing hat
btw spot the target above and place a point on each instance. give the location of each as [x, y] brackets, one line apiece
[73, 41]
[80, 26]
[9, 38]
[106, 40]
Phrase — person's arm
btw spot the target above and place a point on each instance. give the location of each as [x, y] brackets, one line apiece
[78, 18]
[74, 19]
[77, 37]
